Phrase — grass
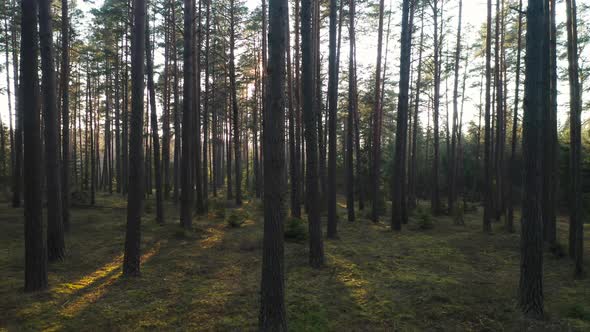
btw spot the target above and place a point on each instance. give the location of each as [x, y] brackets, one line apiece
[446, 278]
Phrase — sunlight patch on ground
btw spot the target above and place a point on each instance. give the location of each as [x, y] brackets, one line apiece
[213, 238]
[88, 280]
[348, 274]
[70, 309]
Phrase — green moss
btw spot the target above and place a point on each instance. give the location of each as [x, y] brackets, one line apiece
[208, 279]
[579, 311]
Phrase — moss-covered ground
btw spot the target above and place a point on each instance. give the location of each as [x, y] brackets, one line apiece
[447, 278]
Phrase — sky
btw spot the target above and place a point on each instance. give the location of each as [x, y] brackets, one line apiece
[474, 14]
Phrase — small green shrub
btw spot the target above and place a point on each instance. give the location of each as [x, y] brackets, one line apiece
[579, 311]
[424, 220]
[295, 230]
[236, 218]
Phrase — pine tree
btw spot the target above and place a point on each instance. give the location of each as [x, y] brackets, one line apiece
[531, 267]
[272, 300]
[131, 262]
[576, 232]
[35, 249]
[399, 171]
[316, 252]
[55, 226]
[333, 107]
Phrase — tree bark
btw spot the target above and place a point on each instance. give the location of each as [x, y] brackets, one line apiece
[453, 156]
[332, 109]
[35, 250]
[487, 206]
[55, 226]
[235, 109]
[550, 162]
[376, 129]
[352, 104]
[576, 224]
[435, 202]
[177, 131]
[412, 198]
[131, 262]
[186, 200]
[206, 111]
[154, 126]
[272, 304]
[65, 113]
[316, 247]
[399, 166]
[531, 267]
[514, 171]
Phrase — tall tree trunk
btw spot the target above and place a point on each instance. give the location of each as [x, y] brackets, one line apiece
[256, 159]
[17, 170]
[399, 168]
[65, 112]
[187, 109]
[272, 303]
[125, 124]
[435, 202]
[376, 130]
[35, 250]
[487, 206]
[9, 96]
[531, 267]
[236, 120]
[298, 126]
[197, 169]
[55, 226]
[293, 113]
[166, 104]
[154, 125]
[177, 131]
[90, 119]
[317, 98]
[264, 88]
[500, 119]
[576, 224]
[206, 110]
[333, 109]
[551, 157]
[117, 121]
[514, 171]
[316, 247]
[453, 157]
[131, 261]
[352, 104]
[412, 198]
[107, 176]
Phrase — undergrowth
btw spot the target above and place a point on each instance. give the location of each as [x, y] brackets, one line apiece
[207, 278]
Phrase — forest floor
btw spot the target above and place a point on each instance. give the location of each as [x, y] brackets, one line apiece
[448, 278]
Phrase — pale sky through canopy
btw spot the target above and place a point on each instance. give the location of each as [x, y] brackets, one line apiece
[474, 15]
